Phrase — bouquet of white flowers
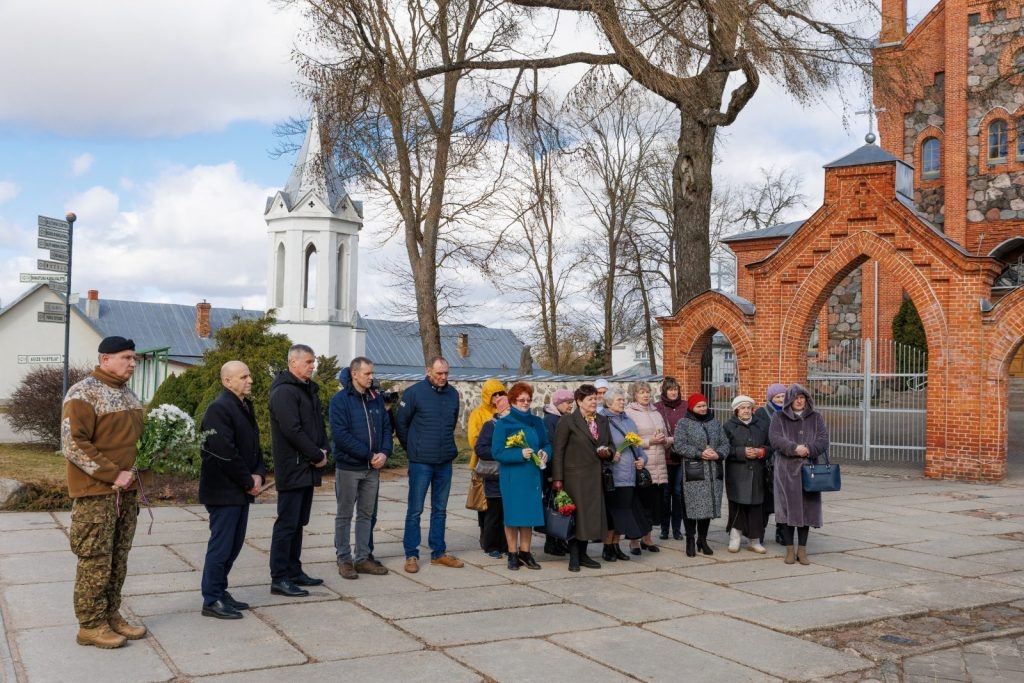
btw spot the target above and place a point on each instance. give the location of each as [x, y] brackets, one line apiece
[170, 442]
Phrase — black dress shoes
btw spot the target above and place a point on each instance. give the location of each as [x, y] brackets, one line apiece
[305, 580]
[288, 588]
[589, 562]
[234, 604]
[528, 559]
[221, 610]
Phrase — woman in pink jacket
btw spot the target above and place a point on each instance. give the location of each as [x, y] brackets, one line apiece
[656, 441]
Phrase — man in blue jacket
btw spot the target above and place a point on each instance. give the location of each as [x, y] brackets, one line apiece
[361, 441]
[427, 414]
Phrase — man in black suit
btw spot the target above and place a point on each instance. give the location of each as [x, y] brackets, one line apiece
[231, 475]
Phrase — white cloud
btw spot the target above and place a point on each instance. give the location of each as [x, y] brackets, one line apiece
[195, 233]
[146, 68]
[8, 191]
[81, 164]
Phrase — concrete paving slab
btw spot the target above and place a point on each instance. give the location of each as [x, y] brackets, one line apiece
[1003, 664]
[986, 527]
[1007, 558]
[45, 567]
[391, 583]
[866, 565]
[963, 546]
[703, 596]
[652, 657]
[819, 585]
[628, 603]
[1003, 647]
[201, 646]
[165, 603]
[38, 605]
[933, 563]
[811, 615]
[155, 559]
[27, 521]
[822, 541]
[194, 553]
[364, 633]
[961, 593]
[728, 574]
[533, 661]
[945, 665]
[788, 657]
[516, 622]
[1010, 578]
[455, 601]
[878, 532]
[137, 661]
[33, 541]
[440, 578]
[409, 667]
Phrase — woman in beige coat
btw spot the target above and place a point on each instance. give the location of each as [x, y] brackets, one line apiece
[655, 441]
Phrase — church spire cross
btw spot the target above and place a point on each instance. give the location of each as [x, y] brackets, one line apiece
[870, 111]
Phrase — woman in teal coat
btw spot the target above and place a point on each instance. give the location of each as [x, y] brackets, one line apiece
[519, 443]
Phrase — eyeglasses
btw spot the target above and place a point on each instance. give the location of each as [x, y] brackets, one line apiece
[524, 399]
[498, 393]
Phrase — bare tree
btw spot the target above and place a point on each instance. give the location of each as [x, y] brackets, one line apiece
[414, 140]
[617, 141]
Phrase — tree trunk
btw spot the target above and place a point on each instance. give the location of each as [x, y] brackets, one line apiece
[691, 195]
[424, 273]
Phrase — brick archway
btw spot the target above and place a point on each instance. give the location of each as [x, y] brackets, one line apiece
[689, 331]
[1004, 327]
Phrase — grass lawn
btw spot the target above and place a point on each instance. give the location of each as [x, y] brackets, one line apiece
[31, 462]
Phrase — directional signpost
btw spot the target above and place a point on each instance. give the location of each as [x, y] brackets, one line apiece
[55, 236]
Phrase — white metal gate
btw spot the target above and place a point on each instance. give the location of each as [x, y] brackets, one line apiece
[872, 400]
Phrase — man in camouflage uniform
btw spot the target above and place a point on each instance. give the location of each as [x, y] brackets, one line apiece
[101, 422]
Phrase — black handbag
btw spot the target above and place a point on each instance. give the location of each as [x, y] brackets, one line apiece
[693, 470]
[487, 469]
[820, 477]
[557, 525]
[643, 478]
[607, 479]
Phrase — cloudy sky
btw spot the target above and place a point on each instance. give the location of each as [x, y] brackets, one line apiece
[153, 121]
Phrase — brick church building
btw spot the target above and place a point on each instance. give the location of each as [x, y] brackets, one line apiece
[933, 213]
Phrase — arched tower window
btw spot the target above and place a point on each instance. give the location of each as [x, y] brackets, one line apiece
[279, 277]
[309, 278]
[997, 141]
[930, 158]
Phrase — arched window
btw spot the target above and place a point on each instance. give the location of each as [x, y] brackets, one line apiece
[1020, 137]
[309, 278]
[997, 141]
[279, 277]
[930, 158]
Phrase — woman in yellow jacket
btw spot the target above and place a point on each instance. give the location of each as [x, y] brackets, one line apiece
[483, 414]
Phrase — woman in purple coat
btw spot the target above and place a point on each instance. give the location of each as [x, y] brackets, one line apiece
[797, 434]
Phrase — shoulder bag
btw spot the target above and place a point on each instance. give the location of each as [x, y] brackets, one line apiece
[487, 469]
[820, 477]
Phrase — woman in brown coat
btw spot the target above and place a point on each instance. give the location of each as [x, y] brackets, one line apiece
[583, 441]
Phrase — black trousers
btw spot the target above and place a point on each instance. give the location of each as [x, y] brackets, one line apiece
[286, 543]
[227, 535]
[493, 532]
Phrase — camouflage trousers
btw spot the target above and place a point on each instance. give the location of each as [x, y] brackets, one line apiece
[101, 537]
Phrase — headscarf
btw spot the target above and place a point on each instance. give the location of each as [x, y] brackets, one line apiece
[559, 396]
[775, 389]
[671, 383]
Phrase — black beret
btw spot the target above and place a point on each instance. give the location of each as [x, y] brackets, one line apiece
[116, 345]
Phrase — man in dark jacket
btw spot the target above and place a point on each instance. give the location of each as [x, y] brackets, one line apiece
[231, 475]
[425, 424]
[299, 440]
[361, 443]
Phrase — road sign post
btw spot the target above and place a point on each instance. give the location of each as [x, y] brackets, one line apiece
[56, 236]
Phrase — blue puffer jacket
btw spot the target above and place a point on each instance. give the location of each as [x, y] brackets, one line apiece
[360, 426]
[425, 423]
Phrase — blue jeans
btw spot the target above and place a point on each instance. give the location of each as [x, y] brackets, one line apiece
[354, 489]
[227, 535]
[439, 479]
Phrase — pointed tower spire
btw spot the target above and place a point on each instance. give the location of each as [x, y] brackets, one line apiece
[312, 172]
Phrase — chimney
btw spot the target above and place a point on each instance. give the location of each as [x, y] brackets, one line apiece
[463, 345]
[92, 304]
[894, 21]
[203, 320]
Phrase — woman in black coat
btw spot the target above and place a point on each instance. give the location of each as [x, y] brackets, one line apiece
[744, 475]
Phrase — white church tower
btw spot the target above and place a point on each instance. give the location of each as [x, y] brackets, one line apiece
[313, 228]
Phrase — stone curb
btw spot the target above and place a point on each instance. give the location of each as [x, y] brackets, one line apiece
[898, 658]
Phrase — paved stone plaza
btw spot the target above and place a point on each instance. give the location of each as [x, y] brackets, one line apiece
[897, 548]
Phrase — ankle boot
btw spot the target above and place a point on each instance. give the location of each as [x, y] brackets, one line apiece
[734, 540]
[790, 555]
[619, 555]
[574, 556]
[101, 636]
[608, 553]
[702, 543]
[119, 626]
[691, 547]
[586, 560]
[801, 555]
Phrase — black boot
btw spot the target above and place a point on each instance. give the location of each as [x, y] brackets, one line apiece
[691, 547]
[702, 543]
[574, 556]
[552, 547]
[608, 554]
[779, 538]
[586, 560]
[619, 555]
